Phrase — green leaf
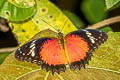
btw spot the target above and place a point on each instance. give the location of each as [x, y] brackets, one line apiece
[106, 29]
[94, 10]
[23, 3]
[24, 31]
[75, 19]
[103, 66]
[3, 56]
[12, 12]
[48, 16]
[111, 3]
[108, 54]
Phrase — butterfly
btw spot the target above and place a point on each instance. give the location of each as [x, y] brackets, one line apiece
[74, 49]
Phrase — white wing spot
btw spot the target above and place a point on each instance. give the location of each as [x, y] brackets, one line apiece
[101, 34]
[92, 40]
[33, 43]
[85, 30]
[23, 53]
[33, 54]
[90, 36]
[94, 47]
[34, 61]
[88, 33]
[19, 50]
[18, 56]
[30, 59]
[32, 47]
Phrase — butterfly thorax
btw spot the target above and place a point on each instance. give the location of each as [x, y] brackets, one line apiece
[61, 39]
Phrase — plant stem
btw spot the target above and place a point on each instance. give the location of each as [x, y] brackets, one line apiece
[2, 50]
[105, 22]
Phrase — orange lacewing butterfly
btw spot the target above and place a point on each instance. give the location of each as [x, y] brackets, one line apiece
[75, 49]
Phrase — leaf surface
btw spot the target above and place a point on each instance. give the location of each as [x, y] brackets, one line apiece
[3, 56]
[103, 66]
[111, 3]
[12, 12]
[48, 16]
[94, 11]
[75, 19]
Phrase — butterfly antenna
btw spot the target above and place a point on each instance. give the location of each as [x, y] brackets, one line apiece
[64, 24]
[49, 24]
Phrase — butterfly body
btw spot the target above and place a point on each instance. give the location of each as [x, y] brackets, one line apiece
[61, 39]
[75, 49]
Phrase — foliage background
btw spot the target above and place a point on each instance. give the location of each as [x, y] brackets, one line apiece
[80, 13]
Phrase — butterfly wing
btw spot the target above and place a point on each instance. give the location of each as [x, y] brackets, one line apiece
[81, 43]
[43, 51]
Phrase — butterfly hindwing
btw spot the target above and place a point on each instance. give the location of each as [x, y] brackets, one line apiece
[83, 42]
[43, 51]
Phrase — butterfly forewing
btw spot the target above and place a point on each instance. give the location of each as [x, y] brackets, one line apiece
[30, 51]
[93, 37]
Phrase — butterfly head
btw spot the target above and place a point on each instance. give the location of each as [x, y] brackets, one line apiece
[60, 34]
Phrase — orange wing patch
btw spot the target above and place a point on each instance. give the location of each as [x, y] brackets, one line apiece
[76, 48]
[52, 53]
